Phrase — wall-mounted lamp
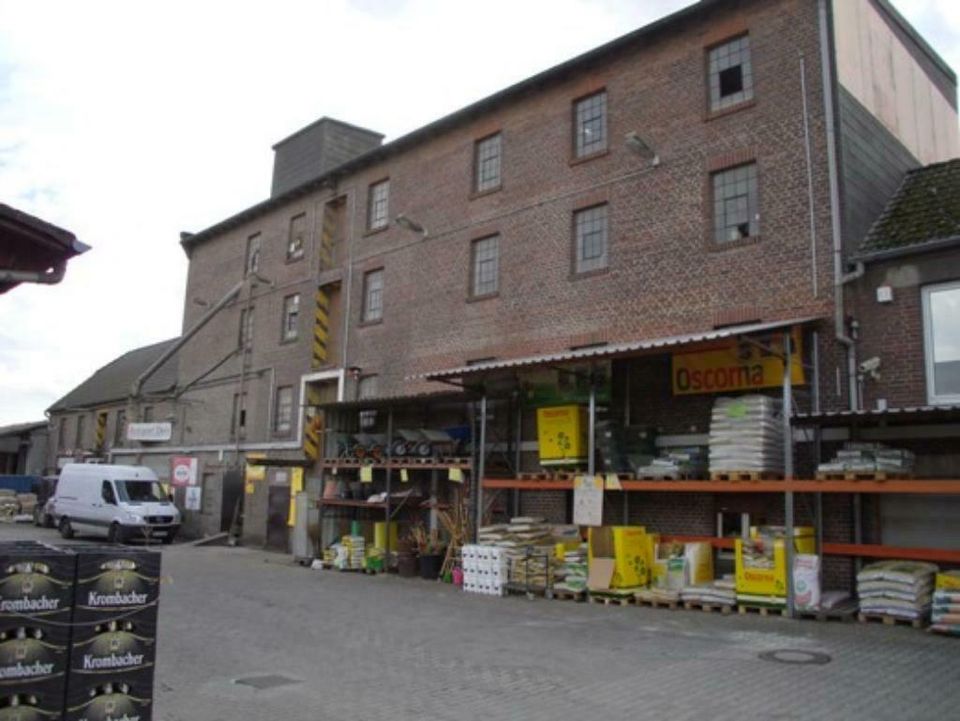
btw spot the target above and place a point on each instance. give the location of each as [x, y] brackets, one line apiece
[405, 222]
[641, 148]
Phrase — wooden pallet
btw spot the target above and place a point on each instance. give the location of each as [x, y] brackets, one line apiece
[564, 475]
[745, 608]
[612, 600]
[862, 476]
[564, 595]
[842, 613]
[537, 476]
[890, 620]
[721, 608]
[657, 603]
[746, 476]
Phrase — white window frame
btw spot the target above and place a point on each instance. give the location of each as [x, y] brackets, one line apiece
[291, 318]
[928, 359]
[283, 412]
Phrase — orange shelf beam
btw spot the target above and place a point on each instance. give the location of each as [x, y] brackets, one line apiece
[920, 487]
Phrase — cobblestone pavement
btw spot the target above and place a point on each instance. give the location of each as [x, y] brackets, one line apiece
[366, 648]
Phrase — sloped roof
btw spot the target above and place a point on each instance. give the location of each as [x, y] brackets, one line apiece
[925, 211]
[19, 428]
[29, 243]
[112, 382]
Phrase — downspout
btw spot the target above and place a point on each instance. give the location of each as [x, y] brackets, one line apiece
[839, 278]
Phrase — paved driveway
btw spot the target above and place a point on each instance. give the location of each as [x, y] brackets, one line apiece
[354, 647]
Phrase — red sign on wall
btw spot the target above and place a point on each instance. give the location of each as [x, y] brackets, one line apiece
[184, 471]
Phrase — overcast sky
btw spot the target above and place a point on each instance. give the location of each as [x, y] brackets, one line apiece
[127, 122]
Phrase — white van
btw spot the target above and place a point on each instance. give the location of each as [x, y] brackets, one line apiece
[120, 502]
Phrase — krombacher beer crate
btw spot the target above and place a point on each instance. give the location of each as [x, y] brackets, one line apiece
[36, 612]
[114, 635]
[123, 697]
[113, 580]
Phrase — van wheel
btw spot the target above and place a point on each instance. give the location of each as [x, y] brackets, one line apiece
[113, 535]
[66, 530]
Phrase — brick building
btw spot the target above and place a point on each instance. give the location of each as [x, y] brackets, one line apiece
[713, 172]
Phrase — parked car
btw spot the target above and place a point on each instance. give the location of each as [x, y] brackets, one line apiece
[122, 503]
[44, 489]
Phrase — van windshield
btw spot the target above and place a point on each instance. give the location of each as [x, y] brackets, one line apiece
[140, 491]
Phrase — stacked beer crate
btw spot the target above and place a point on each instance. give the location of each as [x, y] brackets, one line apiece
[77, 631]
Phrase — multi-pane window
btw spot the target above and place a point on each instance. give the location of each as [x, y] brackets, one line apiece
[590, 230]
[283, 413]
[485, 264]
[730, 73]
[590, 124]
[487, 163]
[297, 237]
[291, 317]
[367, 387]
[372, 295]
[941, 320]
[735, 214]
[378, 201]
[253, 254]
[120, 428]
[245, 337]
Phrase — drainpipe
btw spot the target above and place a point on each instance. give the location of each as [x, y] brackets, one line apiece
[839, 278]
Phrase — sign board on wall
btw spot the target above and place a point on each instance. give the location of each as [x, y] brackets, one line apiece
[184, 471]
[192, 499]
[735, 366]
[588, 501]
[161, 431]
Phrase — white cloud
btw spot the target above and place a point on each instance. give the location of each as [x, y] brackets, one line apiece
[127, 123]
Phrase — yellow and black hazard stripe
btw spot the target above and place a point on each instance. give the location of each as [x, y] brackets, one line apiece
[101, 430]
[321, 328]
[327, 231]
[313, 425]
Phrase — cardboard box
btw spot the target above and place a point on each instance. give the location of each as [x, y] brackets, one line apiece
[36, 580]
[628, 548]
[562, 434]
[127, 643]
[769, 577]
[41, 700]
[110, 696]
[699, 566]
[33, 651]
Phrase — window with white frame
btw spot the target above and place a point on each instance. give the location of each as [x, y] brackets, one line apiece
[254, 243]
[941, 325]
[730, 73]
[590, 231]
[283, 410]
[487, 163]
[590, 124]
[378, 201]
[291, 317]
[735, 204]
[372, 296]
[297, 237]
[485, 257]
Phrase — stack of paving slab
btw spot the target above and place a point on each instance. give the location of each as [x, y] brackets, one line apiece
[572, 575]
[721, 592]
[746, 434]
[657, 595]
[869, 458]
[485, 569]
[898, 589]
[528, 546]
[676, 464]
[945, 615]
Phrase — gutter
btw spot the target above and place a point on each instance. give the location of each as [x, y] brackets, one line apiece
[35, 276]
[915, 249]
[839, 278]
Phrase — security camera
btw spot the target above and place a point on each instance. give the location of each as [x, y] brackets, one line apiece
[870, 367]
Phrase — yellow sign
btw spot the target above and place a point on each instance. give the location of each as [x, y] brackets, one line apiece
[249, 489]
[737, 366]
[455, 474]
[253, 471]
[296, 486]
[404, 475]
[366, 474]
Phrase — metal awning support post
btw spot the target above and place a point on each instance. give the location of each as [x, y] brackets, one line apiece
[788, 465]
[386, 559]
[481, 463]
[515, 493]
[591, 429]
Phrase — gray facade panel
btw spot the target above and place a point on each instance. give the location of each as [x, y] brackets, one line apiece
[873, 163]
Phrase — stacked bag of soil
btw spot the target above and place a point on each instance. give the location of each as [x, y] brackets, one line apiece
[746, 434]
[900, 589]
[945, 615]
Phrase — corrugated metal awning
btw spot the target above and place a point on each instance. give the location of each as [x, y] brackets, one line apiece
[875, 416]
[638, 347]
